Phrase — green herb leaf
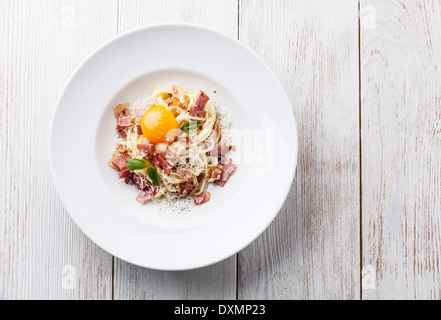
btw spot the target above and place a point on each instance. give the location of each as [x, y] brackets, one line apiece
[136, 164]
[154, 176]
[192, 125]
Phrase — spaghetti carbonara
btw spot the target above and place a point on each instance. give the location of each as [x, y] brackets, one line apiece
[174, 144]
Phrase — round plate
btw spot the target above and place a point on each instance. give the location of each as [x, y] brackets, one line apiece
[127, 69]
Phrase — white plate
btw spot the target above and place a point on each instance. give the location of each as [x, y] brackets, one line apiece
[128, 68]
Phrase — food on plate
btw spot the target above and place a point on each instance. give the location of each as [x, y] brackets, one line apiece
[172, 145]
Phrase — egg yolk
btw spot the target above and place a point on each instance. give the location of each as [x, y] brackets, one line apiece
[159, 125]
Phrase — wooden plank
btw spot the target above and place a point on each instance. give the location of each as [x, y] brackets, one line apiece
[43, 255]
[213, 282]
[401, 144]
[312, 249]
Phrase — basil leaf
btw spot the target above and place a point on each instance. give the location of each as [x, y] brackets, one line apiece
[192, 125]
[154, 176]
[136, 164]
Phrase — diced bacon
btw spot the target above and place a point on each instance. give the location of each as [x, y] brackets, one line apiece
[227, 170]
[199, 105]
[144, 197]
[122, 131]
[202, 198]
[139, 113]
[184, 174]
[146, 149]
[123, 119]
[120, 163]
[161, 163]
[215, 175]
[126, 174]
[122, 108]
[186, 187]
[147, 193]
[138, 181]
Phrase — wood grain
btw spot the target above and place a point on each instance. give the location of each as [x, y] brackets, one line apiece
[312, 249]
[41, 44]
[401, 147]
[213, 282]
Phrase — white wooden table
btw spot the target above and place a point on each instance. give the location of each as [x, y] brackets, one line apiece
[363, 218]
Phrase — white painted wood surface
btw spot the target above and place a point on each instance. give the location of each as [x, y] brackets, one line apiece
[401, 147]
[326, 232]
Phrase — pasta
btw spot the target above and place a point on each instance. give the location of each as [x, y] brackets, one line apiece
[174, 143]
